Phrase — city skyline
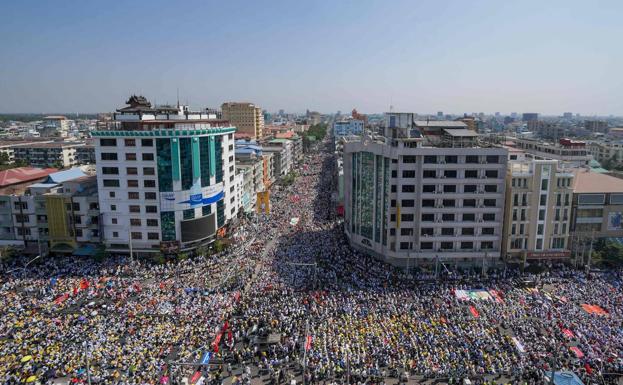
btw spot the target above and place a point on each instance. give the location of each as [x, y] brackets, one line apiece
[534, 57]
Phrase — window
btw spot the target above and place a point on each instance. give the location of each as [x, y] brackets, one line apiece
[448, 203]
[428, 203]
[152, 222]
[491, 188]
[471, 174]
[543, 200]
[78, 232]
[491, 173]
[452, 159]
[426, 245]
[149, 171]
[406, 217]
[447, 245]
[132, 183]
[428, 188]
[486, 245]
[516, 243]
[447, 217]
[392, 232]
[131, 171]
[75, 206]
[113, 207]
[469, 188]
[147, 142]
[429, 174]
[469, 202]
[467, 231]
[492, 159]
[393, 188]
[430, 159]
[133, 195]
[130, 156]
[488, 217]
[408, 188]
[148, 156]
[409, 159]
[108, 142]
[408, 173]
[514, 214]
[426, 231]
[406, 232]
[447, 231]
[149, 183]
[489, 202]
[467, 245]
[151, 209]
[130, 142]
[392, 217]
[135, 222]
[137, 235]
[469, 217]
[405, 245]
[539, 244]
[542, 215]
[110, 170]
[408, 203]
[153, 236]
[428, 217]
[558, 243]
[544, 183]
[111, 183]
[450, 173]
[449, 188]
[393, 203]
[108, 156]
[539, 229]
[134, 208]
[150, 196]
[471, 159]
[488, 231]
[22, 218]
[111, 194]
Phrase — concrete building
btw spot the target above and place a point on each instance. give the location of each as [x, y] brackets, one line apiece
[54, 126]
[607, 152]
[546, 130]
[246, 117]
[596, 126]
[538, 211]
[347, 128]
[49, 154]
[567, 152]
[85, 154]
[411, 198]
[165, 177]
[282, 150]
[529, 116]
[597, 205]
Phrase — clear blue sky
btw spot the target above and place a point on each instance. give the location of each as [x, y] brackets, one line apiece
[423, 56]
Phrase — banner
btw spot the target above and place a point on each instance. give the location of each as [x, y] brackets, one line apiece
[263, 202]
[308, 343]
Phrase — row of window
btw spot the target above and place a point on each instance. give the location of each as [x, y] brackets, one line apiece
[429, 174]
[522, 229]
[111, 142]
[138, 235]
[522, 243]
[128, 171]
[467, 217]
[452, 159]
[146, 156]
[447, 246]
[542, 199]
[149, 209]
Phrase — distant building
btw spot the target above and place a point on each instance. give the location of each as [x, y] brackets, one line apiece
[529, 116]
[567, 115]
[347, 127]
[54, 126]
[568, 152]
[246, 117]
[48, 154]
[596, 126]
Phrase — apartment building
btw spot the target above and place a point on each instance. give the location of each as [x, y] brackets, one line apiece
[537, 219]
[567, 152]
[48, 154]
[282, 150]
[166, 177]
[347, 128]
[246, 117]
[607, 151]
[411, 197]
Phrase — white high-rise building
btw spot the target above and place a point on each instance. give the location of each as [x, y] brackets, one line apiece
[166, 178]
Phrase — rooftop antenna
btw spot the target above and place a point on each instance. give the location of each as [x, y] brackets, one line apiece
[178, 98]
[391, 104]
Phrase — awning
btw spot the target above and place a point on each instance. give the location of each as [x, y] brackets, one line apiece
[85, 251]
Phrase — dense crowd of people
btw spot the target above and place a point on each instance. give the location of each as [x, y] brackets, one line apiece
[289, 299]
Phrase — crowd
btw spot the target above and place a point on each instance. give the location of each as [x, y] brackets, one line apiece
[290, 299]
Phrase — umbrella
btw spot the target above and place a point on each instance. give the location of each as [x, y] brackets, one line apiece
[94, 313]
[31, 379]
[26, 358]
[82, 318]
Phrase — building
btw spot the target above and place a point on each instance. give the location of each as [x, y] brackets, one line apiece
[282, 150]
[607, 152]
[538, 211]
[85, 154]
[347, 128]
[529, 116]
[48, 154]
[165, 177]
[597, 210]
[54, 126]
[596, 126]
[246, 117]
[567, 152]
[413, 198]
[547, 130]
[567, 115]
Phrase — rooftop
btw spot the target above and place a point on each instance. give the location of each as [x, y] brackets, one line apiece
[23, 174]
[460, 132]
[440, 123]
[588, 181]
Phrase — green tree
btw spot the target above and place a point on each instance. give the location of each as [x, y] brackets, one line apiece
[158, 259]
[101, 254]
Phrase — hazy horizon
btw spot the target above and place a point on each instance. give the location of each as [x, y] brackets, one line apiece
[455, 57]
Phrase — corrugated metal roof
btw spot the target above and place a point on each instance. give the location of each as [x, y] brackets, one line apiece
[64, 176]
[459, 132]
[440, 123]
[23, 174]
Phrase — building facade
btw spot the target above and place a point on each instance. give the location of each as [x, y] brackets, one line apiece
[413, 200]
[246, 117]
[537, 219]
[166, 178]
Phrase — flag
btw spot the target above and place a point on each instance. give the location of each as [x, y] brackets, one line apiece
[206, 358]
[308, 343]
[84, 284]
[588, 368]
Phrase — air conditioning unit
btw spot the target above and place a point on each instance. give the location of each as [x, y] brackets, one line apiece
[483, 177]
[439, 206]
[480, 220]
[442, 162]
[483, 162]
[443, 177]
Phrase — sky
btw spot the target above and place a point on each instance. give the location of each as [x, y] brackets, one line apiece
[326, 55]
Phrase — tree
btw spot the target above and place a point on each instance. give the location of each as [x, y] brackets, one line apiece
[101, 254]
[219, 246]
[7, 253]
[158, 259]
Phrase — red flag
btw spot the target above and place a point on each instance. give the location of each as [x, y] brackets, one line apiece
[588, 368]
[75, 291]
[308, 343]
[474, 312]
[84, 284]
[225, 326]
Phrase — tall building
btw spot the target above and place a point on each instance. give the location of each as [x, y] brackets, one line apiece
[347, 127]
[166, 177]
[538, 211]
[246, 117]
[428, 191]
[529, 116]
[596, 126]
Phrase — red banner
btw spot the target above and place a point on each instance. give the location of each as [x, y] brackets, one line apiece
[308, 343]
[474, 312]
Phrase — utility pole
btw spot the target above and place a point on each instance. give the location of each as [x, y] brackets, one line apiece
[86, 358]
[305, 350]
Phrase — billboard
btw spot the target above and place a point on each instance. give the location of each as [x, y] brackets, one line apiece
[188, 199]
[614, 221]
[263, 202]
[199, 228]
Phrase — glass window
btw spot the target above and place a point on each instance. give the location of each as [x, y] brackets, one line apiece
[129, 142]
[107, 142]
[165, 167]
